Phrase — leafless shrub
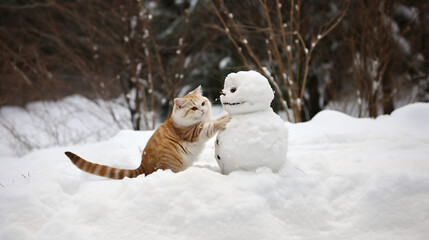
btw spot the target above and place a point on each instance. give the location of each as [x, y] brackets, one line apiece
[313, 52]
[153, 72]
[382, 57]
[44, 124]
[99, 49]
[277, 40]
[373, 53]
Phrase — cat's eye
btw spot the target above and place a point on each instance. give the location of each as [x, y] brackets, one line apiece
[194, 108]
[233, 89]
[204, 103]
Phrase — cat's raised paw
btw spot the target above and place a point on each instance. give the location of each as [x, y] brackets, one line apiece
[224, 121]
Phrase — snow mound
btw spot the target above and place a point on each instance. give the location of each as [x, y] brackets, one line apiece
[346, 178]
[44, 124]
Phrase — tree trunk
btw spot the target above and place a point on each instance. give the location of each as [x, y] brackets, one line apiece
[372, 105]
[313, 90]
[387, 91]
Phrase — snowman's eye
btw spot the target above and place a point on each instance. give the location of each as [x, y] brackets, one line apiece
[233, 89]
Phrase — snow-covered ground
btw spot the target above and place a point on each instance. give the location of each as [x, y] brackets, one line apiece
[346, 178]
[72, 120]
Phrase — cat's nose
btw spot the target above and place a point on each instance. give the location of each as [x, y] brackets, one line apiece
[221, 93]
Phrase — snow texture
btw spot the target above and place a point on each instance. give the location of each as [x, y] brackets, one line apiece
[346, 178]
[72, 120]
[256, 136]
[224, 62]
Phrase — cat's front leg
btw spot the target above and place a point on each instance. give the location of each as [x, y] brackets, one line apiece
[219, 123]
[219, 118]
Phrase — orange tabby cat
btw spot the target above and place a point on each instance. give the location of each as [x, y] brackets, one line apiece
[175, 144]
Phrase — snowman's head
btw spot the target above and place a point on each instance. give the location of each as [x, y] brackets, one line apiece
[246, 92]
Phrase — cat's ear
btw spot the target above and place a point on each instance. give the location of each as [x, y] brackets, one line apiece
[179, 102]
[198, 91]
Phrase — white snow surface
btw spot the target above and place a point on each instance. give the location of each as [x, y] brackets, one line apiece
[72, 120]
[346, 178]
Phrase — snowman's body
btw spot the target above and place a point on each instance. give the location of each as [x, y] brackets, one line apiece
[256, 136]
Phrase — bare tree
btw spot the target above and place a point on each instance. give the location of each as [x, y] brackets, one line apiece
[278, 41]
[147, 51]
[100, 49]
[382, 55]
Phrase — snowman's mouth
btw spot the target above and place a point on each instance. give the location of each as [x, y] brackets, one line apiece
[237, 103]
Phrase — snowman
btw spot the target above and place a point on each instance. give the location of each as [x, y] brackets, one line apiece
[256, 136]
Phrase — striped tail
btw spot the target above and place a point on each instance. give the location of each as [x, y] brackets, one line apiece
[103, 170]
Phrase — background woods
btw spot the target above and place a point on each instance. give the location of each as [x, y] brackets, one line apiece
[362, 57]
[357, 56]
[100, 49]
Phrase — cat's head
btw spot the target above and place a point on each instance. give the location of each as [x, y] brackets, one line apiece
[246, 92]
[191, 109]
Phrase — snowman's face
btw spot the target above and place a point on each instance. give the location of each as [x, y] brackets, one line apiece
[246, 92]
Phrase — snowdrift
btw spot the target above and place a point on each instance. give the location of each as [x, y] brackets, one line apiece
[346, 178]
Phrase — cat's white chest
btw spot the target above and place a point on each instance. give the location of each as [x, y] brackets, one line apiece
[193, 150]
[251, 141]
